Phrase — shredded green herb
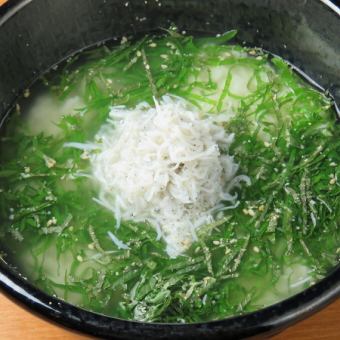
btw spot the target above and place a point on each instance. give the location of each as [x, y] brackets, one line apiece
[286, 141]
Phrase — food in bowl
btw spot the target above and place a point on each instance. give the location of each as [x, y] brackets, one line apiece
[172, 179]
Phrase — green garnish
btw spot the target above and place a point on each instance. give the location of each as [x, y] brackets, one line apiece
[286, 141]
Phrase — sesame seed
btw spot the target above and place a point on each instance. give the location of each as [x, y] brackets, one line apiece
[332, 181]
[27, 93]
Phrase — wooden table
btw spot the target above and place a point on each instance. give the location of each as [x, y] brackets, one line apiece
[16, 323]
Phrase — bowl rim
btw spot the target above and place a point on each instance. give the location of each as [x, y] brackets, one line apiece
[266, 320]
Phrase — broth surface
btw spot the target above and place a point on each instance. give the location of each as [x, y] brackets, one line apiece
[281, 238]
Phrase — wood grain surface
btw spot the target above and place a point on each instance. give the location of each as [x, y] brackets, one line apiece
[16, 323]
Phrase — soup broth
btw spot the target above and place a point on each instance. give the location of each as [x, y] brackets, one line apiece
[276, 235]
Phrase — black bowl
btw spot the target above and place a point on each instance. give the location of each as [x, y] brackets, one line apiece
[36, 34]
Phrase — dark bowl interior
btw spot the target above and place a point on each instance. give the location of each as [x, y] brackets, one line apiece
[36, 34]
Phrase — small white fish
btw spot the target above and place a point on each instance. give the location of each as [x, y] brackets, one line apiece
[117, 242]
